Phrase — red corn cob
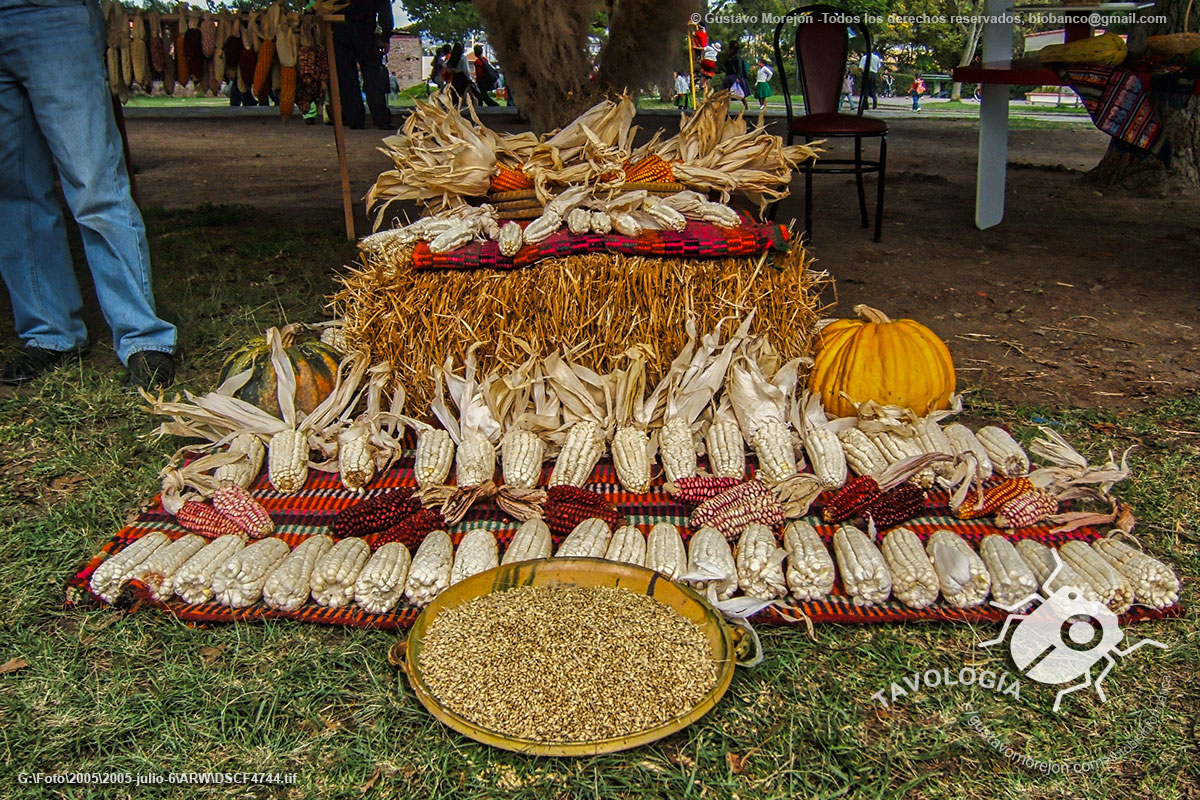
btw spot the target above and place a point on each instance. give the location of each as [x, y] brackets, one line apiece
[236, 503]
[205, 520]
[735, 508]
[410, 530]
[374, 514]
[851, 499]
[694, 491]
[567, 506]
[993, 497]
[899, 505]
[1028, 509]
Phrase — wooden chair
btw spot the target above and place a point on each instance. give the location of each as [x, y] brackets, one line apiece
[822, 45]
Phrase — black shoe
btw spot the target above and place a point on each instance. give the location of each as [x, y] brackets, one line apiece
[32, 362]
[150, 369]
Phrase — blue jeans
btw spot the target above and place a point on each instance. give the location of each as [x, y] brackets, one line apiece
[56, 115]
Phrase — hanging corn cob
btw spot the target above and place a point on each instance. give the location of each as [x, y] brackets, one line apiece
[312, 65]
[263, 27]
[287, 46]
[761, 406]
[139, 53]
[914, 581]
[154, 43]
[810, 572]
[587, 400]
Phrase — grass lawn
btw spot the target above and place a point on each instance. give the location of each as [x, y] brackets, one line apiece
[106, 691]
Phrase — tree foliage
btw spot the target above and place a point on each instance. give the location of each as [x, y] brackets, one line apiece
[444, 20]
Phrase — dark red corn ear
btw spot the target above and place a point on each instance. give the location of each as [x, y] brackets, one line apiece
[567, 506]
[851, 499]
[899, 505]
[411, 530]
[694, 491]
[374, 514]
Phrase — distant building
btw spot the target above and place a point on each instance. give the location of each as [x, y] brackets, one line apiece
[404, 60]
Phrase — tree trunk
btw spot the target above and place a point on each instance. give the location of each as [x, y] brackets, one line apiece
[973, 31]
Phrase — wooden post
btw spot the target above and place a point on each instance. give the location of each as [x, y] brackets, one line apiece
[339, 133]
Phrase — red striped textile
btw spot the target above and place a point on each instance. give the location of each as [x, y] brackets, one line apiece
[309, 511]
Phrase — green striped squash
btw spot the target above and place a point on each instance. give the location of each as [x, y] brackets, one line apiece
[314, 362]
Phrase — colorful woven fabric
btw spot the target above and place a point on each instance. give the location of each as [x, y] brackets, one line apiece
[698, 240]
[309, 511]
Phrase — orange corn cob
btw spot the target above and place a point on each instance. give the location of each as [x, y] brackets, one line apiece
[262, 69]
[993, 498]
[507, 179]
[651, 169]
[237, 504]
[287, 90]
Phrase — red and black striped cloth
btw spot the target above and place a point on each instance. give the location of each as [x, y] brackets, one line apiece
[697, 240]
[309, 511]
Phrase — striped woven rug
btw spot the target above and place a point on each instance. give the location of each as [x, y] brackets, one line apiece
[310, 510]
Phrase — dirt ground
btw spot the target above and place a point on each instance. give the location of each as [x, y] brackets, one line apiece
[1079, 298]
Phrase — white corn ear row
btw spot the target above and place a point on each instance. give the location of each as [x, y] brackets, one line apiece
[708, 550]
[601, 222]
[776, 456]
[453, 238]
[914, 581]
[540, 229]
[628, 546]
[1012, 579]
[810, 572]
[531, 541]
[631, 458]
[579, 454]
[626, 224]
[665, 552]
[511, 239]
[108, 578]
[193, 581]
[356, 457]
[932, 439]
[962, 575]
[664, 215]
[896, 447]
[1154, 583]
[477, 552]
[579, 220]
[380, 585]
[1041, 559]
[865, 575]
[825, 454]
[678, 449]
[476, 460]
[429, 573]
[726, 453]
[435, 455]
[862, 454]
[158, 571]
[589, 539]
[1112, 587]
[720, 215]
[244, 471]
[963, 441]
[760, 563]
[336, 571]
[239, 582]
[521, 453]
[1008, 458]
[287, 460]
[287, 586]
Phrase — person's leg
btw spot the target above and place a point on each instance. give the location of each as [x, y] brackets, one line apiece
[64, 78]
[354, 115]
[366, 51]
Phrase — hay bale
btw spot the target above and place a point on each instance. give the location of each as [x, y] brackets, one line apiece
[599, 305]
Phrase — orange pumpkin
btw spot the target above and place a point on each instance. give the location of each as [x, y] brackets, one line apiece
[893, 362]
[315, 364]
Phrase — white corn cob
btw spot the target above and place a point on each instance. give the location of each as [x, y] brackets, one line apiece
[589, 539]
[239, 581]
[356, 457]
[288, 585]
[477, 552]
[628, 546]
[862, 454]
[962, 575]
[193, 581]
[810, 572]
[335, 337]
[914, 581]
[108, 578]
[521, 453]
[896, 447]
[932, 439]
[626, 224]
[476, 460]
[664, 215]
[726, 453]
[511, 239]
[708, 551]
[380, 585]
[540, 229]
[245, 470]
[1012, 579]
[1041, 559]
[337, 570]
[531, 541]
[429, 573]
[452, 239]
[773, 446]
[158, 571]
[962, 440]
[865, 575]
[581, 450]
[720, 215]
[435, 454]
[579, 220]
[1112, 587]
[760, 563]
[665, 552]
[1007, 457]
[631, 458]
[1154, 583]
[825, 454]
[287, 460]
[601, 222]
[678, 449]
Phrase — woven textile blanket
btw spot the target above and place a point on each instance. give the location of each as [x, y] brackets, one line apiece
[697, 240]
[309, 511]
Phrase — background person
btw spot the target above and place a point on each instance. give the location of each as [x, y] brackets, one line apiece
[682, 89]
[737, 75]
[915, 91]
[356, 45]
[486, 77]
[870, 67]
[762, 83]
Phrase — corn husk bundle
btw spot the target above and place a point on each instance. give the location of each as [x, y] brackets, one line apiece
[120, 66]
[193, 49]
[263, 28]
[312, 64]
[360, 447]
[157, 52]
[287, 45]
[170, 68]
[592, 150]
[139, 53]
